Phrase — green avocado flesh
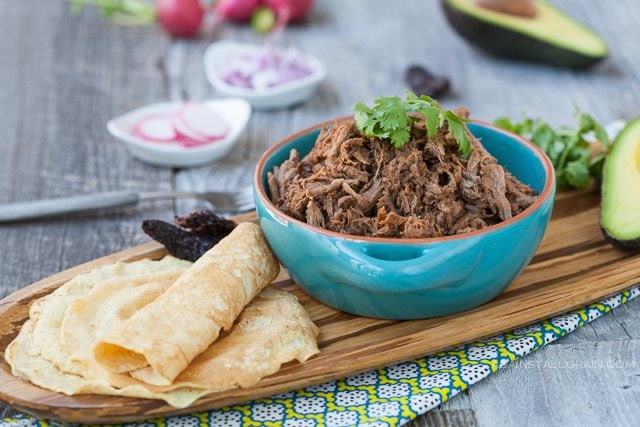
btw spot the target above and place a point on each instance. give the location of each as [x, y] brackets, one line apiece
[620, 209]
[551, 36]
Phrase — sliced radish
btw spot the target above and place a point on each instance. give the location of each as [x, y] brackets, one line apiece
[188, 142]
[156, 129]
[203, 121]
[191, 126]
[186, 132]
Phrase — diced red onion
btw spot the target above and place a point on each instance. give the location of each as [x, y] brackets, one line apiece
[265, 69]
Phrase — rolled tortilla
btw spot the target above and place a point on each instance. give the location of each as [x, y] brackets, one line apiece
[159, 341]
[272, 330]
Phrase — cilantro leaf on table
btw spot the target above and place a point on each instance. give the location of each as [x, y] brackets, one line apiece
[124, 12]
[567, 148]
[577, 174]
[391, 118]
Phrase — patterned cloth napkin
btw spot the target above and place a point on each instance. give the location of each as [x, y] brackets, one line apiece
[389, 396]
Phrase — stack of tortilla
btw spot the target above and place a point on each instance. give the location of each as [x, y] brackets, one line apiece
[166, 329]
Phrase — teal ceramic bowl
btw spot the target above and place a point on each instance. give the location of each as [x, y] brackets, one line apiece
[410, 278]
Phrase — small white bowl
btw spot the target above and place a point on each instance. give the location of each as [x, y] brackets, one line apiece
[280, 96]
[234, 110]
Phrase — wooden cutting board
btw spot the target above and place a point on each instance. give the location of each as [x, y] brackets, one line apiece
[573, 267]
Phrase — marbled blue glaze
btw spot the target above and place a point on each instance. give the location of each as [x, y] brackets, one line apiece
[408, 279]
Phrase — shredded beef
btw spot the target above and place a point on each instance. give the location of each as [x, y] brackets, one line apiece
[364, 186]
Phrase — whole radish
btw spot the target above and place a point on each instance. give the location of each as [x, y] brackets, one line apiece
[274, 15]
[290, 10]
[180, 18]
[236, 10]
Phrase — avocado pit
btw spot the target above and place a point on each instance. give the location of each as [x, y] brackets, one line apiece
[523, 8]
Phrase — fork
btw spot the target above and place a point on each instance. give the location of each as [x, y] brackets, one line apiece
[222, 201]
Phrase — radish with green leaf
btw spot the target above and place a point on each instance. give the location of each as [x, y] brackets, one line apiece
[183, 18]
[236, 10]
[180, 18]
[274, 15]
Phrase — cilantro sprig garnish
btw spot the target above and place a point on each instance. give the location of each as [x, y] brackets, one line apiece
[391, 119]
[570, 153]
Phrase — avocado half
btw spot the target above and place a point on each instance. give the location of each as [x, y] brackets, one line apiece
[550, 37]
[620, 207]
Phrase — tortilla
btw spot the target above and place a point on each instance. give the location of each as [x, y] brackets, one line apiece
[106, 306]
[52, 308]
[272, 330]
[39, 356]
[159, 341]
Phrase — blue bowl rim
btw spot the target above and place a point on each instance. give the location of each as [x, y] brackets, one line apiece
[546, 194]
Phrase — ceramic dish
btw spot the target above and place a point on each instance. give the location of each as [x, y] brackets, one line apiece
[280, 96]
[235, 111]
[410, 278]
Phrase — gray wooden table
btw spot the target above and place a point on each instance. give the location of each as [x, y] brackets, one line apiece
[62, 77]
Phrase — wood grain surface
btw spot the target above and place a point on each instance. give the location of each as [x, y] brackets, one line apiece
[63, 76]
[569, 270]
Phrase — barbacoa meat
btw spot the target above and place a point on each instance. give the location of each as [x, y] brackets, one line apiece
[363, 186]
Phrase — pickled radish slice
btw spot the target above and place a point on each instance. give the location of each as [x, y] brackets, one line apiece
[156, 129]
[202, 121]
[187, 133]
[190, 143]
[191, 126]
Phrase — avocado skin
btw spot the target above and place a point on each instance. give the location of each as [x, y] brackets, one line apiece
[627, 245]
[506, 43]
